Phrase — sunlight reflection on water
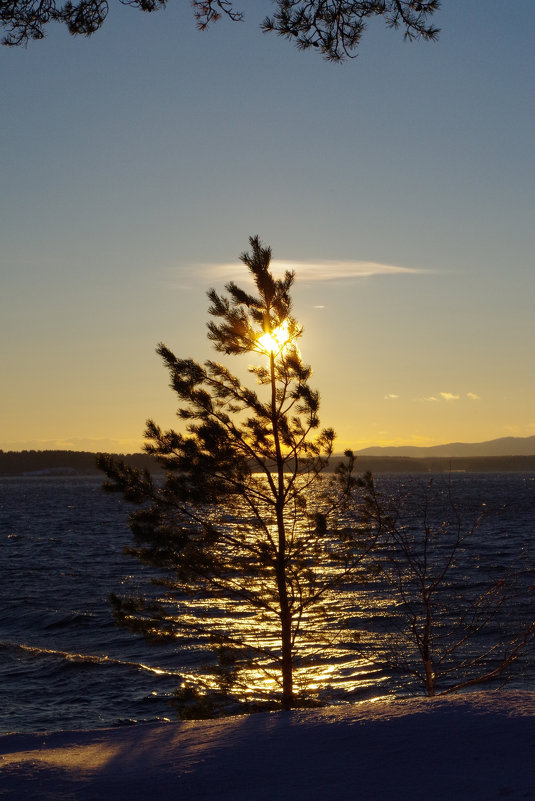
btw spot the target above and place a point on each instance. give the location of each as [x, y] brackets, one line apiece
[65, 663]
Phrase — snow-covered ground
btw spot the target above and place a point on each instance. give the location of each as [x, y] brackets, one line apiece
[479, 746]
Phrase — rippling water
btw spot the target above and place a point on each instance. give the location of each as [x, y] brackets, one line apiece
[63, 662]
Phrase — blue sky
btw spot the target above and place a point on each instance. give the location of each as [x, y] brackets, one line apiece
[135, 164]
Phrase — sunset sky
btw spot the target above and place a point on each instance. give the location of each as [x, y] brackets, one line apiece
[134, 166]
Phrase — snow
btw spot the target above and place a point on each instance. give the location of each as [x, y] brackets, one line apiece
[477, 746]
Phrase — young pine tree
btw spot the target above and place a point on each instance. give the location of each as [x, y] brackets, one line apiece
[253, 544]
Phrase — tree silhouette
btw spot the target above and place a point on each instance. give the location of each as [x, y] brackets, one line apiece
[333, 27]
[253, 543]
[445, 629]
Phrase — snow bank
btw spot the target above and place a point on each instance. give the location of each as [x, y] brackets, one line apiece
[479, 746]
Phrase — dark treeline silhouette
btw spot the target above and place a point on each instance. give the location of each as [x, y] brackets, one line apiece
[20, 463]
[17, 463]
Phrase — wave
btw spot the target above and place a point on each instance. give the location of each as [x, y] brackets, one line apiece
[88, 658]
[60, 620]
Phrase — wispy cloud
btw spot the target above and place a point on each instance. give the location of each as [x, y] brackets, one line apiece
[312, 271]
[391, 396]
[451, 396]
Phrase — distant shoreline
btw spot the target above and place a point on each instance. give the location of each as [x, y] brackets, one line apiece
[83, 463]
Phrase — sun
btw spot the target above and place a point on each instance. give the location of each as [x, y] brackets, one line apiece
[277, 340]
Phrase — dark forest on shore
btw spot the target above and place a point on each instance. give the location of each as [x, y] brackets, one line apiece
[21, 463]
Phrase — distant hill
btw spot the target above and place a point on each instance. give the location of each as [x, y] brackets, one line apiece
[506, 446]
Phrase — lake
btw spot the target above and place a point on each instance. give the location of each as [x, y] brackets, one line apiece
[66, 665]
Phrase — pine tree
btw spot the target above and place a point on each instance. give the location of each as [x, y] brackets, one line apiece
[333, 27]
[253, 542]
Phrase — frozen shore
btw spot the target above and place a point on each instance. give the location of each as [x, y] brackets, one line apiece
[476, 747]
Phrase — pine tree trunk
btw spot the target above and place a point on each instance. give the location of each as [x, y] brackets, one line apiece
[286, 620]
[429, 678]
[287, 661]
[284, 606]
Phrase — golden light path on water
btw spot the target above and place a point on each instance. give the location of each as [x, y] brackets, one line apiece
[328, 661]
[332, 668]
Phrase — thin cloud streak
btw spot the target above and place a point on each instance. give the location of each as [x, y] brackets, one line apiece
[451, 396]
[314, 271]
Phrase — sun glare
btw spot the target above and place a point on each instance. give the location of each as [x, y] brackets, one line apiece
[277, 340]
